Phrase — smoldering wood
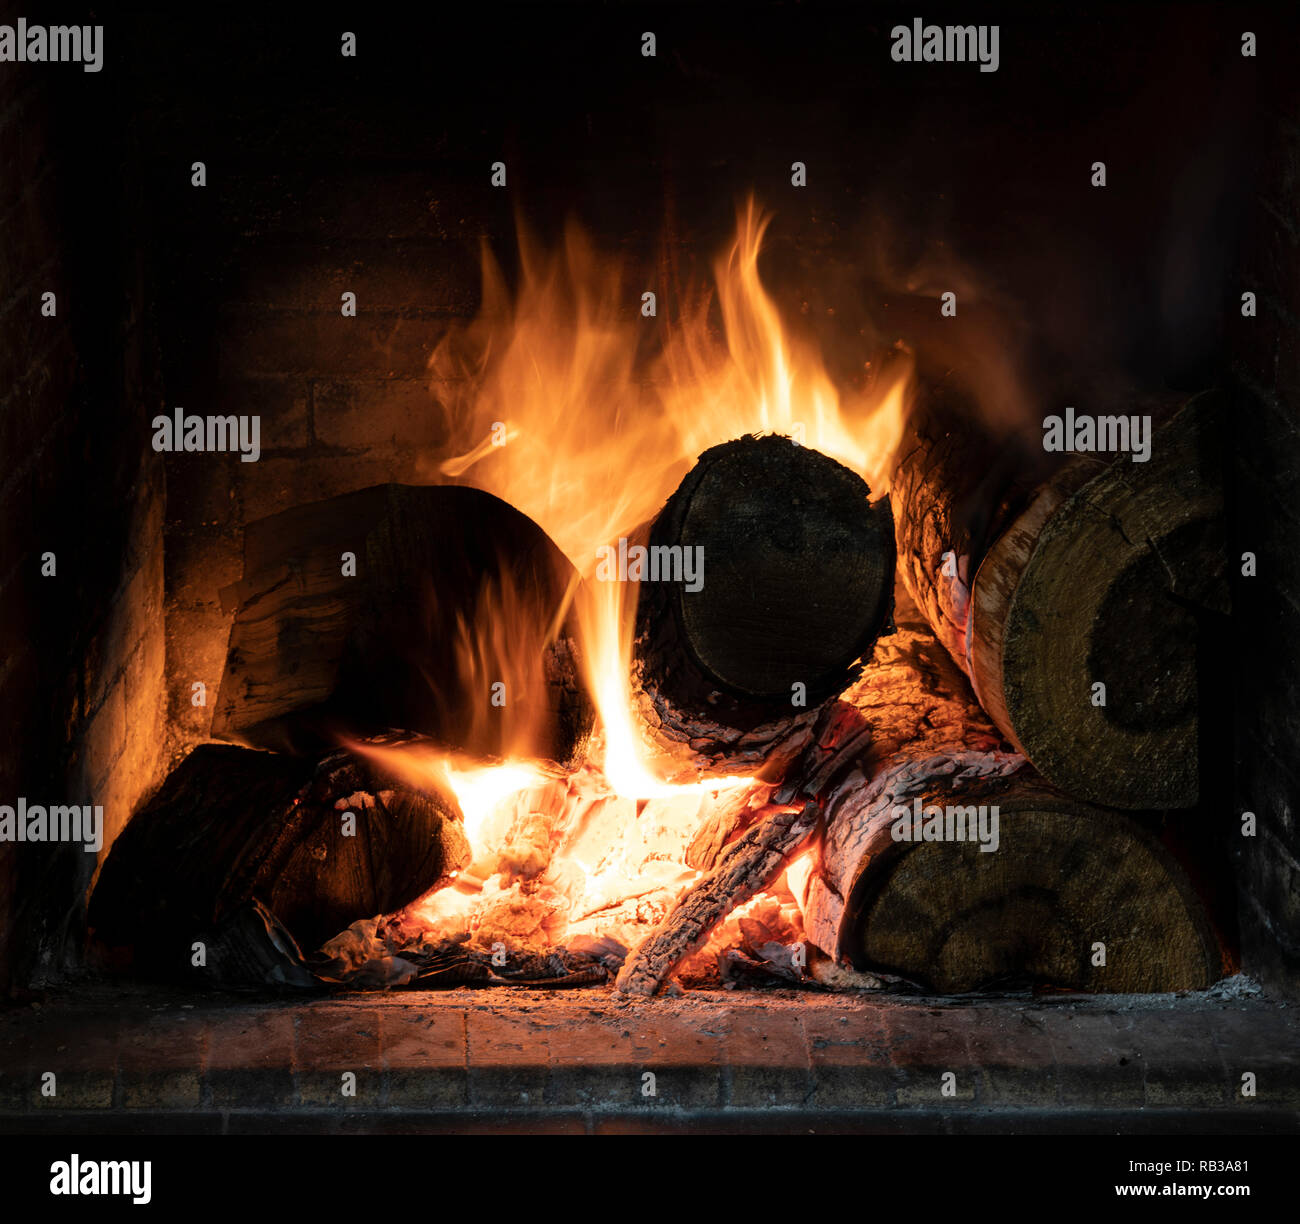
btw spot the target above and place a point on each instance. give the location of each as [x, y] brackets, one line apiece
[315, 653]
[232, 826]
[949, 916]
[1106, 571]
[798, 578]
[748, 866]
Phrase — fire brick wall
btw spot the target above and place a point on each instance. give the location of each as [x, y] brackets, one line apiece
[81, 500]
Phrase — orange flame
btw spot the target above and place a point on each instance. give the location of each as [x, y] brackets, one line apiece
[551, 409]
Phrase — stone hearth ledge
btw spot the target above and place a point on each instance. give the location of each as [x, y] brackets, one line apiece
[134, 1060]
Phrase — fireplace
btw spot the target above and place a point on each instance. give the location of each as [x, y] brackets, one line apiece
[589, 568]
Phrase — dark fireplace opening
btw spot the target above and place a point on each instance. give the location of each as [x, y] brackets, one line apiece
[697, 514]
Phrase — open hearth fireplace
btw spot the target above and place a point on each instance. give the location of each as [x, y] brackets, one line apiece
[632, 591]
[581, 719]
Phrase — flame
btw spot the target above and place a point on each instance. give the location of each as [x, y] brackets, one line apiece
[550, 411]
[569, 402]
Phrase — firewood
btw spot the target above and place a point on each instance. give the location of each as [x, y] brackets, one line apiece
[1073, 897]
[442, 588]
[797, 577]
[747, 867]
[948, 915]
[231, 826]
[1078, 606]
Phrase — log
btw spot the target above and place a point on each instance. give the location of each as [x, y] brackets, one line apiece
[233, 827]
[1105, 572]
[747, 867]
[452, 591]
[1064, 878]
[949, 915]
[798, 577]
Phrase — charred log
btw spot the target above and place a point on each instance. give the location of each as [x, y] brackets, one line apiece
[318, 846]
[386, 608]
[797, 581]
[747, 867]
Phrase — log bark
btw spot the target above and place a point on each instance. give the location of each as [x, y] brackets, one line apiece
[451, 591]
[798, 578]
[948, 915]
[1106, 572]
[232, 826]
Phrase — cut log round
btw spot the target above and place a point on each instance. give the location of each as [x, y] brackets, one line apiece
[1072, 897]
[798, 571]
[319, 846]
[947, 914]
[1089, 604]
[401, 606]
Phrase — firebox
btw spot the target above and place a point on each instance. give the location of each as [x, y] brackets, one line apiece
[652, 569]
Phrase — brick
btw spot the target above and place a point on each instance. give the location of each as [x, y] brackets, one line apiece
[682, 1047]
[767, 1059]
[508, 1059]
[160, 1062]
[1013, 1059]
[373, 344]
[81, 1051]
[424, 1057]
[249, 1057]
[592, 1064]
[1262, 1040]
[1181, 1065]
[281, 404]
[407, 276]
[329, 1041]
[1097, 1059]
[365, 414]
[925, 1045]
[849, 1060]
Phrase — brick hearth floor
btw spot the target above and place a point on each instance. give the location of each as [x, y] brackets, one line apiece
[137, 1061]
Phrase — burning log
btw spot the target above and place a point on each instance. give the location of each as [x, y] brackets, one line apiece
[1058, 877]
[797, 570]
[1093, 592]
[319, 846]
[439, 610]
[746, 868]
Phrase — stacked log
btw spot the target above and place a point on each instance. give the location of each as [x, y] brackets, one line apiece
[947, 861]
[1077, 604]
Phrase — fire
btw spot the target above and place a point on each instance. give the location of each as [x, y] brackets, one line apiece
[555, 407]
